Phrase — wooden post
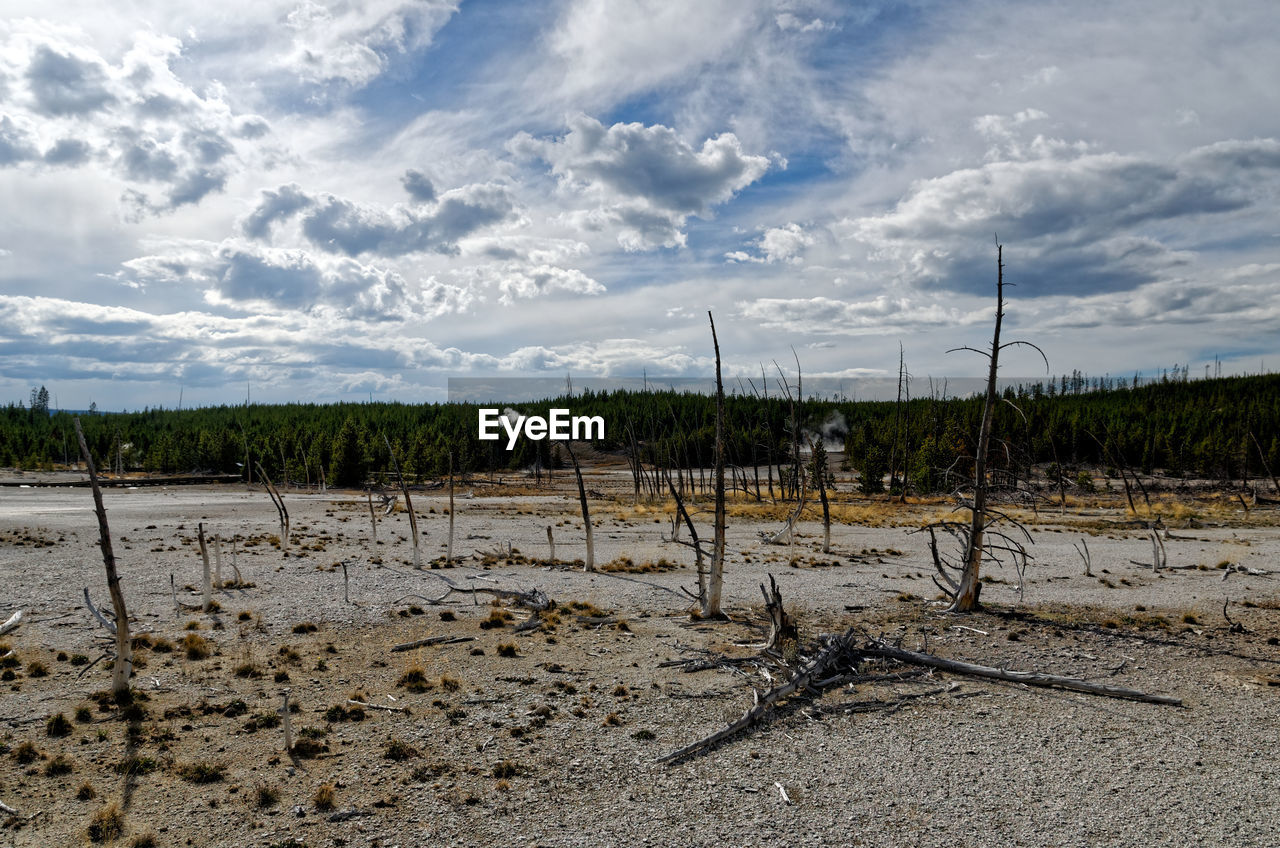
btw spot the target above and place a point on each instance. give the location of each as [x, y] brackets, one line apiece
[551, 544]
[122, 668]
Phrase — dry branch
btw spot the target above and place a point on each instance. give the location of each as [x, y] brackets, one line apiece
[368, 706]
[432, 640]
[102, 619]
[12, 623]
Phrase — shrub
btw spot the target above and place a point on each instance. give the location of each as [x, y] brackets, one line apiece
[399, 751]
[324, 797]
[201, 772]
[57, 725]
[107, 824]
[196, 646]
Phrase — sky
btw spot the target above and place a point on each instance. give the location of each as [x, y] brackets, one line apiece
[322, 201]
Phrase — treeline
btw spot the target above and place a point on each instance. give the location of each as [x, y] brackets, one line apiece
[1224, 429]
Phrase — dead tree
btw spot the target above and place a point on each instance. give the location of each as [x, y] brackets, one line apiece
[818, 458]
[784, 633]
[408, 502]
[1083, 550]
[590, 563]
[278, 501]
[448, 551]
[123, 665]
[373, 517]
[715, 579]
[979, 536]
[838, 659]
[206, 580]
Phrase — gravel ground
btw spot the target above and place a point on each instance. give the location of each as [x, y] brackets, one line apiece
[557, 745]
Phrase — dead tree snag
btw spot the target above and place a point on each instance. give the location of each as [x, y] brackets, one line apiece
[123, 665]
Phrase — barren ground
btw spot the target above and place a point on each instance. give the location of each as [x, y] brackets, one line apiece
[556, 745]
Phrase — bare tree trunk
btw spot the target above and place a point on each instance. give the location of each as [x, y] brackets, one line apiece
[551, 546]
[122, 668]
[966, 598]
[820, 471]
[373, 517]
[715, 579]
[590, 564]
[206, 581]
[408, 503]
[278, 501]
[448, 551]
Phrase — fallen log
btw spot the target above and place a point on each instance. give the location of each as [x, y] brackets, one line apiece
[432, 640]
[534, 599]
[883, 650]
[837, 663]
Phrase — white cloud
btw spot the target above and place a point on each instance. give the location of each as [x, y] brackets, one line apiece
[338, 225]
[72, 108]
[777, 244]
[644, 180]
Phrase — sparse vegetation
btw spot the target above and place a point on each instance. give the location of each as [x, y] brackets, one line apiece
[57, 725]
[201, 772]
[107, 824]
[196, 647]
[398, 750]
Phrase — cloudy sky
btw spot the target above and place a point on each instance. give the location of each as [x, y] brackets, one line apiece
[327, 200]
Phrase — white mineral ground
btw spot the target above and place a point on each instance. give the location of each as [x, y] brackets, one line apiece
[557, 745]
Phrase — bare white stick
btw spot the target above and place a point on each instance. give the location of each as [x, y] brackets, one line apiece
[373, 517]
[551, 543]
[12, 623]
